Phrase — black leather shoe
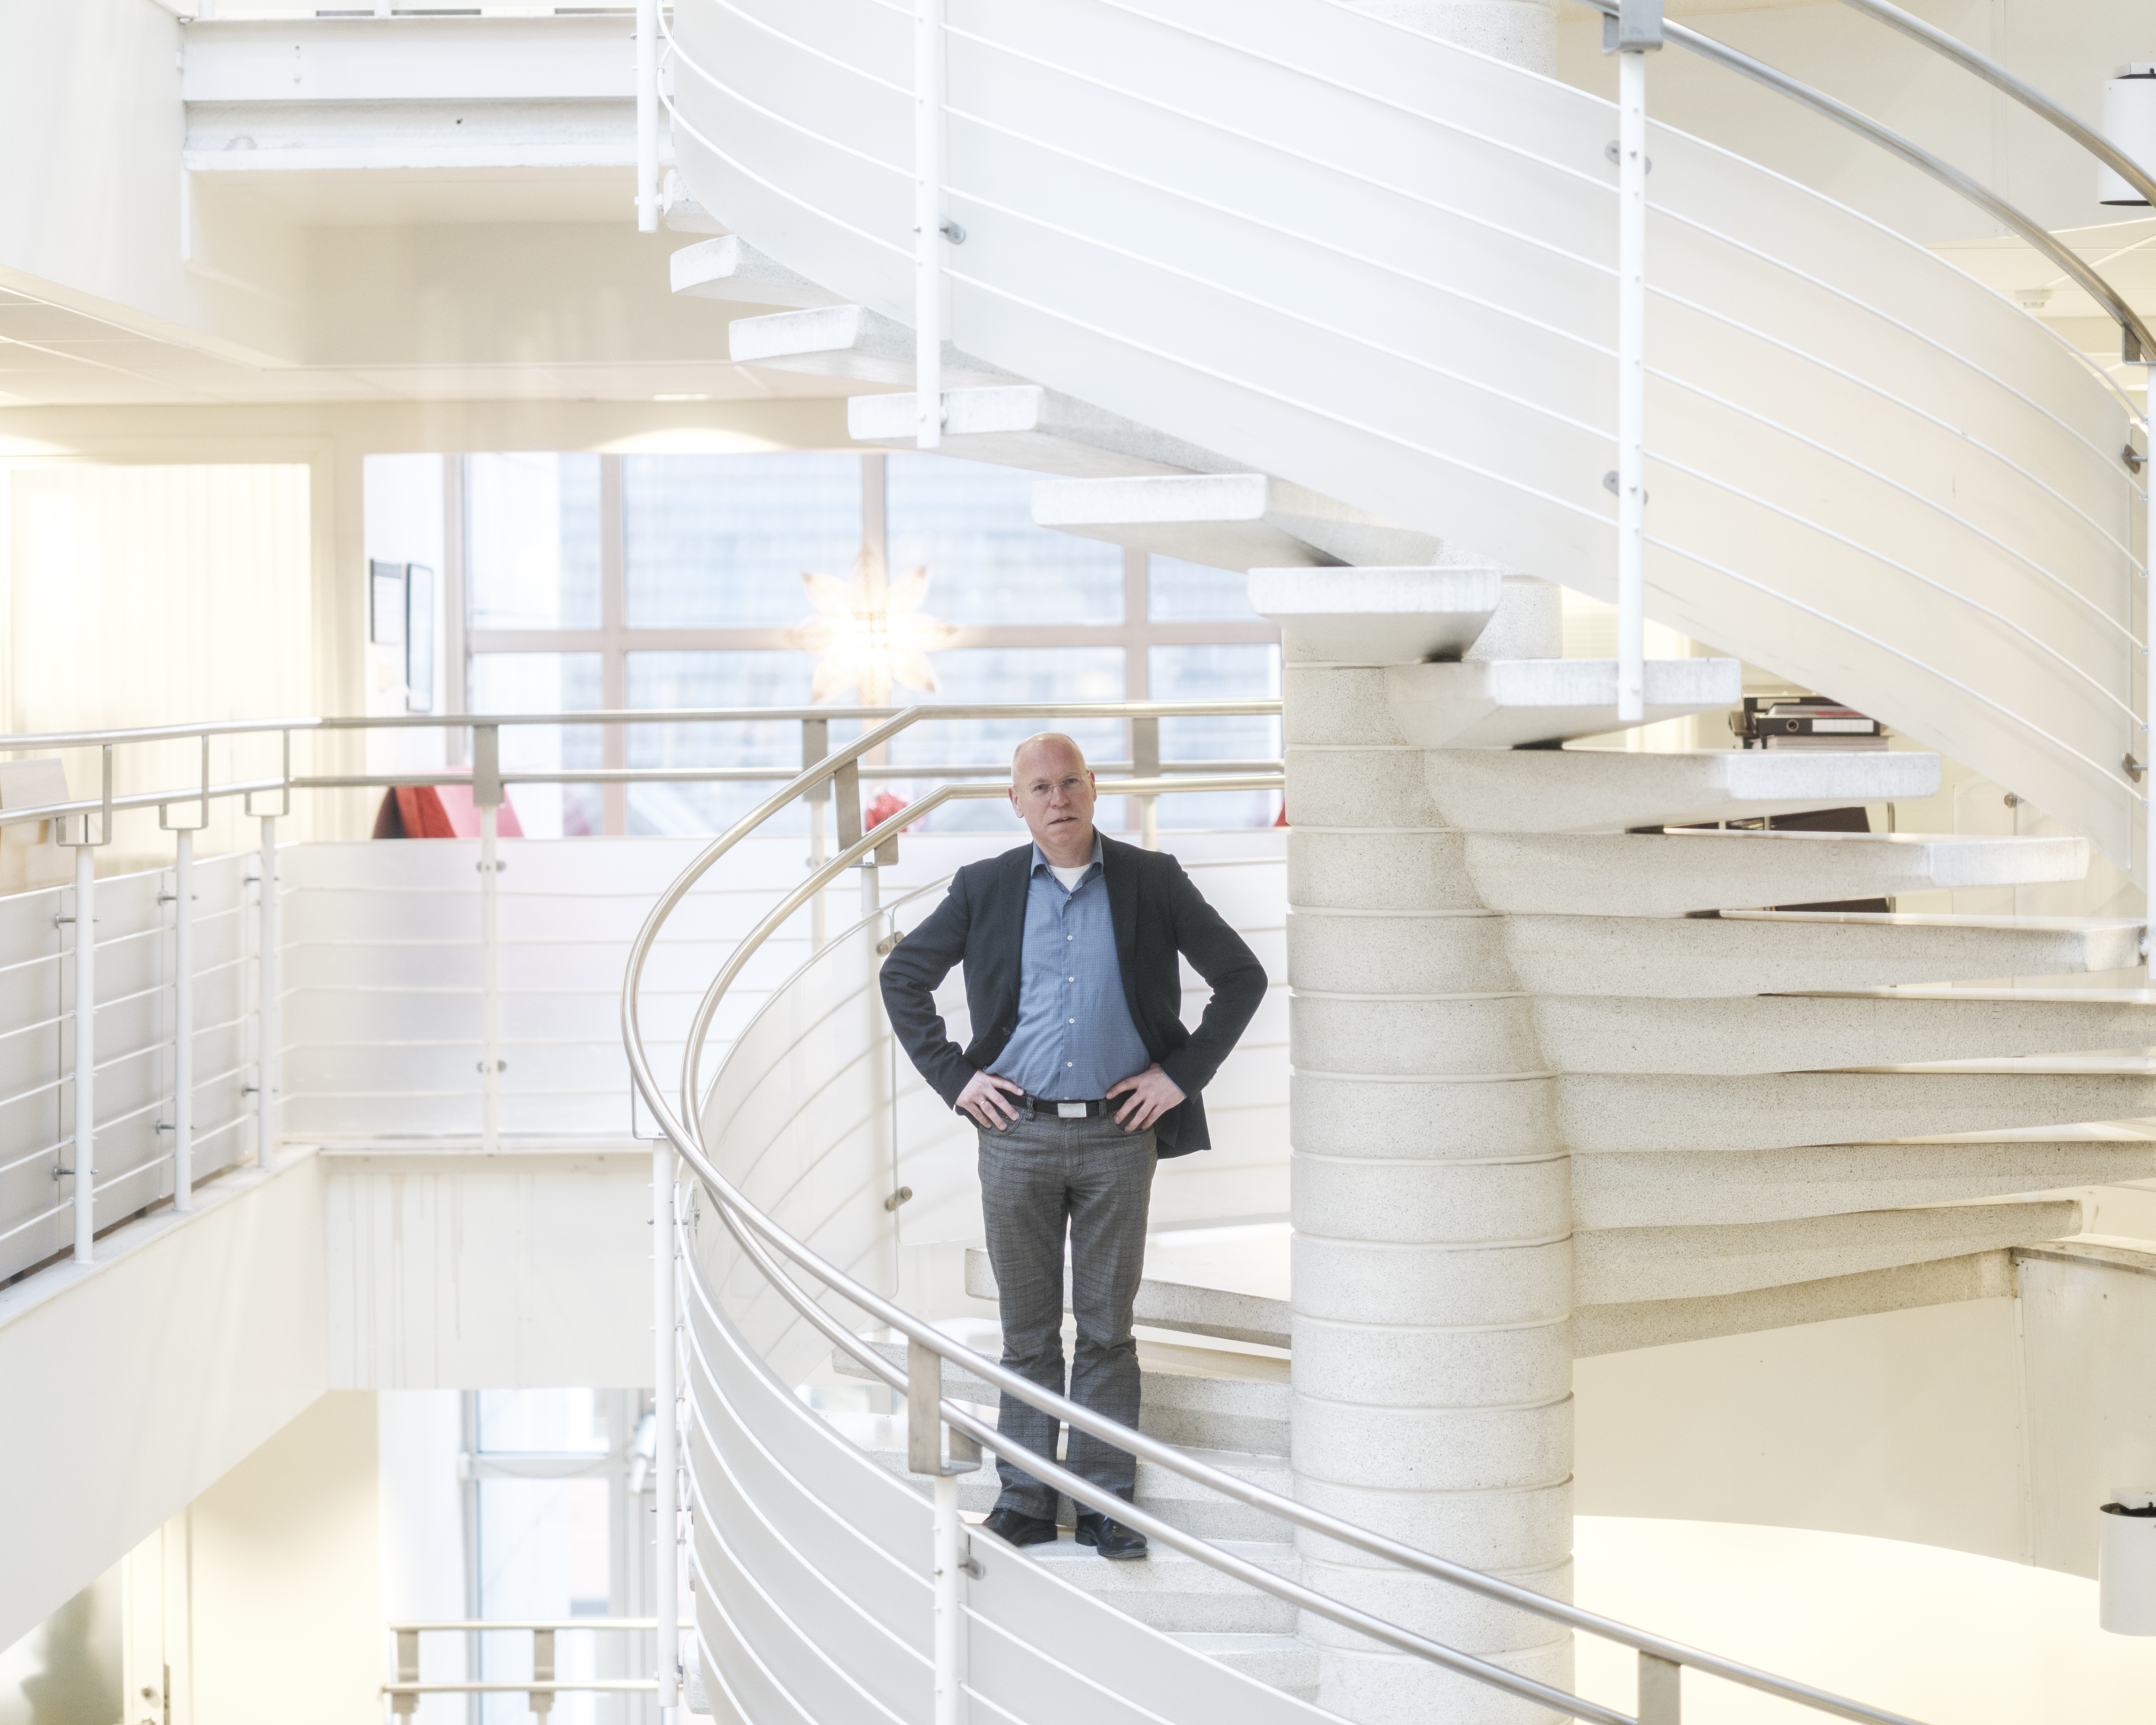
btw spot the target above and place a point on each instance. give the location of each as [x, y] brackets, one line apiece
[1008, 1524]
[1110, 1538]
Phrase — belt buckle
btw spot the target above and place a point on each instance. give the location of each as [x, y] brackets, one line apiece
[1070, 1110]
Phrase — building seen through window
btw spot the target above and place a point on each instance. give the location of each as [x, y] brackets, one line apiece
[672, 582]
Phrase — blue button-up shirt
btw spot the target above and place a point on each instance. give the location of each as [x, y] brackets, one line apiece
[1074, 1037]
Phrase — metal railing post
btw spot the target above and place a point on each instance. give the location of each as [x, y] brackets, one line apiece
[270, 1018]
[647, 116]
[405, 1705]
[1639, 31]
[2148, 661]
[542, 1670]
[815, 744]
[486, 796]
[1145, 763]
[667, 1655]
[1660, 1683]
[183, 1021]
[933, 1447]
[928, 223]
[86, 1046]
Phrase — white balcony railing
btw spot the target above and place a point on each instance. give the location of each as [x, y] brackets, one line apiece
[457, 989]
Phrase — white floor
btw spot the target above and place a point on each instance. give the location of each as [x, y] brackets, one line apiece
[1937, 1635]
[1933, 1634]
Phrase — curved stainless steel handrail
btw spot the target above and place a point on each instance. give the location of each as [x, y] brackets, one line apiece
[765, 1243]
[2031, 98]
[1993, 205]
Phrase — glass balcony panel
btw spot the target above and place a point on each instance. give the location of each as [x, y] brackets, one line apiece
[545, 683]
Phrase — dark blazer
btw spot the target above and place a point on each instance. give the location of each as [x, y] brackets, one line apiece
[1158, 913]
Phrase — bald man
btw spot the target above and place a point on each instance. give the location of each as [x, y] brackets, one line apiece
[1079, 1076]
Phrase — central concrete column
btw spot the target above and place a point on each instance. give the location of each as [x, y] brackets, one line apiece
[1433, 1252]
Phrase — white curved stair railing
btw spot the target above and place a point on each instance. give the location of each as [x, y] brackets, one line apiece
[814, 1561]
[1379, 265]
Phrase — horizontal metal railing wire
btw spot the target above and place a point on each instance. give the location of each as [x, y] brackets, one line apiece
[778, 1256]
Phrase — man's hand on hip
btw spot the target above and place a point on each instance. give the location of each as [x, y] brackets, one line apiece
[1152, 1093]
[982, 1101]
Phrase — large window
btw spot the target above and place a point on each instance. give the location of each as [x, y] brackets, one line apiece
[669, 582]
[720, 541]
[556, 1504]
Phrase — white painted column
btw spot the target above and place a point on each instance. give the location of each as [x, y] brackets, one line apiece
[184, 1020]
[270, 1015]
[490, 978]
[1432, 1206]
[84, 1156]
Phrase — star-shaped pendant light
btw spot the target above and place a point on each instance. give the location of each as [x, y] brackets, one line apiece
[869, 632]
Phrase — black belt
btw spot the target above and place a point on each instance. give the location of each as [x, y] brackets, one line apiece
[1040, 1106]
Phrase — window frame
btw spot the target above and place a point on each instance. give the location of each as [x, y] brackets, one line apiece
[613, 640]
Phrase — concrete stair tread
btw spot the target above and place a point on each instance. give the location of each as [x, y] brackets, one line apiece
[1804, 1032]
[1284, 1662]
[1950, 991]
[1627, 1265]
[1369, 615]
[1621, 1328]
[1750, 953]
[1687, 1187]
[1928, 919]
[1165, 1567]
[1270, 1471]
[845, 341]
[729, 268]
[1190, 1396]
[1024, 425]
[1681, 872]
[1171, 1365]
[1164, 1304]
[1173, 1496]
[1228, 521]
[1625, 1114]
[1166, 1590]
[1510, 703]
[1488, 789]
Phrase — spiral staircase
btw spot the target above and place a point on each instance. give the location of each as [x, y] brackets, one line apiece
[1287, 287]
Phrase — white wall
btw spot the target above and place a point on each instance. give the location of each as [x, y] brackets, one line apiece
[2091, 1399]
[141, 595]
[1903, 1426]
[1991, 1426]
[405, 524]
[134, 1386]
[460, 1270]
[420, 1435]
[285, 1597]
